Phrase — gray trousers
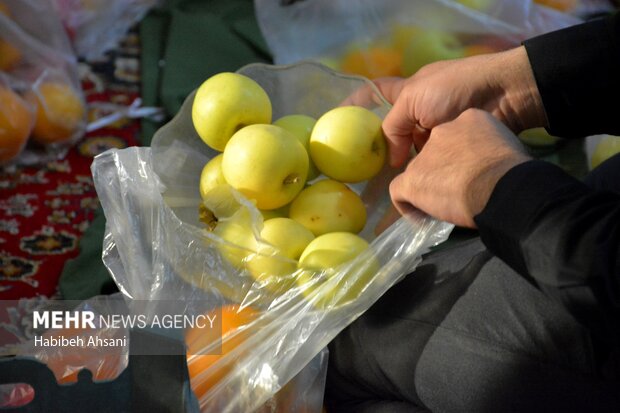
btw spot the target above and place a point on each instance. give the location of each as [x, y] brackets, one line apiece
[464, 333]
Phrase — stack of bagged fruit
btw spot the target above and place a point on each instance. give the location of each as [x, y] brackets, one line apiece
[38, 102]
[297, 172]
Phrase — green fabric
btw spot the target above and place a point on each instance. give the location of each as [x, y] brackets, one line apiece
[183, 43]
[153, 30]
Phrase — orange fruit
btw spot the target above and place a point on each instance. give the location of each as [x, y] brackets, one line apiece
[59, 112]
[373, 62]
[15, 124]
[232, 319]
[10, 56]
[561, 5]
[4, 9]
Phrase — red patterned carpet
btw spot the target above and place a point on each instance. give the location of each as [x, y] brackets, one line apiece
[44, 210]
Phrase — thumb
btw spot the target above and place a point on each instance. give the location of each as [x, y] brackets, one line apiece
[398, 127]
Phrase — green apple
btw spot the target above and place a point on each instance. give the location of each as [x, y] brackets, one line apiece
[347, 144]
[225, 103]
[275, 263]
[605, 149]
[328, 258]
[211, 175]
[428, 47]
[329, 206]
[267, 164]
[537, 137]
[301, 127]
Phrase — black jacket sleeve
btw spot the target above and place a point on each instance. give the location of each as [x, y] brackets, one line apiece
[539, 220]
[577, 71]
[552, 227]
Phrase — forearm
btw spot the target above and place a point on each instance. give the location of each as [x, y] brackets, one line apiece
[577, 71]
[548, 225]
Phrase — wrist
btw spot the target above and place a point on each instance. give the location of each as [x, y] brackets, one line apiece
[482, 187]
[520, 103]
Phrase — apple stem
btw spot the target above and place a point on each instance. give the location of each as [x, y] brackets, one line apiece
[291, 179]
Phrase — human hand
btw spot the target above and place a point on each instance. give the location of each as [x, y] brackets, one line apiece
[501, 83]
[454, 175]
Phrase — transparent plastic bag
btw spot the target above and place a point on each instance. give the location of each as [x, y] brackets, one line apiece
[156, 247]
[96, 26]
[375, 39]
[16, 122]
[41, 65]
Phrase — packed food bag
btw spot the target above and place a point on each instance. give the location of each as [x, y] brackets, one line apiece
[397, 37]
[163, 242]
[37, 62]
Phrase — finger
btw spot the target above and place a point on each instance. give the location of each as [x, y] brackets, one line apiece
[420, 136]
[366, 95]
[390, 87]
[398, 127]
[399, 192]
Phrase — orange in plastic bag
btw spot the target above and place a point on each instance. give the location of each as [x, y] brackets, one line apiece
[60, 112]
[16, 121]
[232, 319]
[373, 62]
[561, 5]
[10, 56]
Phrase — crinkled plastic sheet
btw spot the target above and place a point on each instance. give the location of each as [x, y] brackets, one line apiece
[156, 248]
[307, 29]
[98, 25]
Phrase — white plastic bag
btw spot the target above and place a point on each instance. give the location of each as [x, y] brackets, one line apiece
[336, 31]
[157, 248]
[96, 26]
[36, 60]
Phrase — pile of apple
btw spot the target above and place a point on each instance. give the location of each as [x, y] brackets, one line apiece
[295, 171]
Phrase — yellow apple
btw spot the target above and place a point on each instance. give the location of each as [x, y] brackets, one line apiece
[605, 149]
[301, 127]
[288, 235]
[347, 144]
[329, 206]
[537, 137]
[238, 243]
[402, 34]
[275, 263]
[221, 201]
[267, 164]
[281, 212]
[428, 47]
[225, 103]
[211, 175]
[329, 257]
[480, 5]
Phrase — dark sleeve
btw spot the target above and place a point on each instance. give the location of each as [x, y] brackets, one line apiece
[577, 71]
[552, 227]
